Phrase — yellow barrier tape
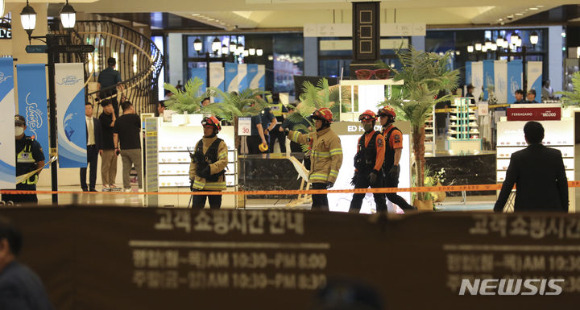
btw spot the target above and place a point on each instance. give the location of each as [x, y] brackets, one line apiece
[383, 190]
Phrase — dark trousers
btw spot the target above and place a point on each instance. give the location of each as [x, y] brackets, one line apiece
[393, 197]
[92, 158]
[253, 143]
[215, 201]
[24, 198]
[362, 181]
[319, 201]
[295, 147]
[276, 134]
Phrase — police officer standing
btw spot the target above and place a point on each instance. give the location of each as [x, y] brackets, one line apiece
[326, 155]
[279, 111]
[29, 157]
[393, 150]
[368, 163]
[206, 171]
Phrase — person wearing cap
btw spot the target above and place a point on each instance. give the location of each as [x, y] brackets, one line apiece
[206, 170]
[29, 157]
[393, 151]
[279, 111]
[257, 136]
[127, 141]
[326, 156]
[368, 163]
[108, 80]
[531, 96]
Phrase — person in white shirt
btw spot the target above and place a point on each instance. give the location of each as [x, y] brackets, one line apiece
[94, 147]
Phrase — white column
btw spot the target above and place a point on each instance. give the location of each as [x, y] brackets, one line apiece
[555, 59]
[175, 61]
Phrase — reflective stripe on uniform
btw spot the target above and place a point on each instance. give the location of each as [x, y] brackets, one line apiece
[335, 152]
[212, 186]
[222, 155]
[198, 184]
[320, 154]
[295, 136]
[318, 177]
[333, 173]
[25, 159]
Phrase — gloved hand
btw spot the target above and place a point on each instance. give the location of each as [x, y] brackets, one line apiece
[200, 167]
[373, 176]
[205, 172]
[394, 172]
[329, 185]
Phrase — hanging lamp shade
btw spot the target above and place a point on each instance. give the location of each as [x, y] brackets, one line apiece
[28, 18]
[68, 16]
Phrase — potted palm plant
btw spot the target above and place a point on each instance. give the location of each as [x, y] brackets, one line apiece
[425, 75]
[186, 100]
[572, 97]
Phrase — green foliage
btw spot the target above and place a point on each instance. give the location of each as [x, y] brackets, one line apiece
[236, 104]
[186, 100]
[572, 97]
[425, 75]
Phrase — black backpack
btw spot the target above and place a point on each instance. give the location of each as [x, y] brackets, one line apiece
[210, 157]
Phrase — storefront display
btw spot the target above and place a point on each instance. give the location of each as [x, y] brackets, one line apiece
[463, 133]
[361, 95]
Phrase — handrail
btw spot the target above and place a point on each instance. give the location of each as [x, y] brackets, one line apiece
[138, 60]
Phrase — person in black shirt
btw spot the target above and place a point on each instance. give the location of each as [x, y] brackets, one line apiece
[108, 80]
[94, 148]
[29, 157]
[126, 139]
[20, 287]
[268, 124]
[109, 154]
[519, 94]
[531, 96]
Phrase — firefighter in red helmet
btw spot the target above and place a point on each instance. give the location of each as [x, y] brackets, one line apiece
[393, 150]
[326, 156]
[206, 171]
[368, 163]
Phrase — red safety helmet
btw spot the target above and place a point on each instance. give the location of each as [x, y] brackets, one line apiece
[368, 115]
[212, 121]
[387, 110]
[323, 114]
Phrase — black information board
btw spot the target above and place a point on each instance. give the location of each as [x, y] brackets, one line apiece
[146, 258]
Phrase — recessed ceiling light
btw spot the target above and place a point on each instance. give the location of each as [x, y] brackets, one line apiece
[539, 6]
[195, 14]
[519, 14]
[510, 16]
[533, 9]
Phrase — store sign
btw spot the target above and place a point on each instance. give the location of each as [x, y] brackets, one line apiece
[244, 126]
[534, 114]
[5, 34]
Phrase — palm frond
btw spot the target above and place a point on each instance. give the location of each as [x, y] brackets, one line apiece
[572, 97]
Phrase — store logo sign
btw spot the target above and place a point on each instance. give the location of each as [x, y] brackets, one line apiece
[534, 114]
[511, 287]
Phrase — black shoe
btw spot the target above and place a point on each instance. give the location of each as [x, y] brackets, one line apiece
[92, 190]
[85, 189]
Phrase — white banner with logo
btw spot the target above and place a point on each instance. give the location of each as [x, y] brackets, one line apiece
[534, 76]
[71, 124]
[7, 140]
[500, 81]
[477, 78]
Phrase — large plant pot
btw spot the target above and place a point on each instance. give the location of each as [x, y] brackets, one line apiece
[423, 205]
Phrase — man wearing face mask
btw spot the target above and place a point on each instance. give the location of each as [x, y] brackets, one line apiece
[368, 163]
[326, 155]
[393, 150]
[29, 157]
[206, 171]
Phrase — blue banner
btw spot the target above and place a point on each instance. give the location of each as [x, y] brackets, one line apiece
[70, 100]
[32, 102]
[488, 77]
[252, 73]
[261, 76]
[467, 72]
[200, 73]
[514, 72]
[231, 77]
[7, 141]
[243, 77]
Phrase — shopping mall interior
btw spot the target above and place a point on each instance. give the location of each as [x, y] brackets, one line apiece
[262, 76]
